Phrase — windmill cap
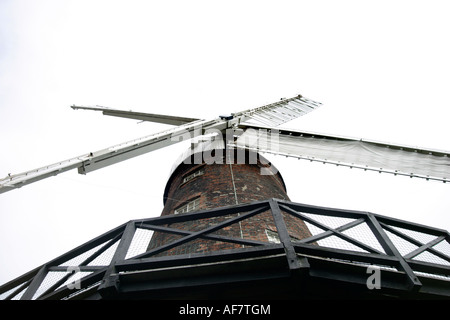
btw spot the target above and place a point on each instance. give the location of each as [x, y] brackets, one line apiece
[194, 155]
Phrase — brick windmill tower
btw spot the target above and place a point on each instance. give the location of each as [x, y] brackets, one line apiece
[195, 185]
[229, 230]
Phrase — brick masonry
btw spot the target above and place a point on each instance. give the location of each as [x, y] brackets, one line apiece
[224, 184]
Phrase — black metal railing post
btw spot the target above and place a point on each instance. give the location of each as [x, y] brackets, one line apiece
[35, 284]
[389, 247]
[295, 263]
[110, 282]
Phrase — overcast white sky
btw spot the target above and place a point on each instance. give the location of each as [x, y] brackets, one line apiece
[380, 68]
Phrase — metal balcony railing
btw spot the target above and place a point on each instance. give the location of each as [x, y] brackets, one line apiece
[416, 254]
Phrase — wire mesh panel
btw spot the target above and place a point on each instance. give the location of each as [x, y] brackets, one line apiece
[420, 245]
[337, 231]
[429, 257]
[402, 245]
[444, 247]
[336, 235]
[363, 233]
[12, 294]
[140, 242]
[104, 259]
[78, 260]
[71, 280]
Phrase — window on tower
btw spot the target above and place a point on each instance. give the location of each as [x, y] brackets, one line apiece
[272, 236]
[188, 207]
[193, 175]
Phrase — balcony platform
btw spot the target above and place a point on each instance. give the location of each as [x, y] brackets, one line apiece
[350, 255]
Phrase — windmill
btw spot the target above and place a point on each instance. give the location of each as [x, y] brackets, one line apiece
[255, 130]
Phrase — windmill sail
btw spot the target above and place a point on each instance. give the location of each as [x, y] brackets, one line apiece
[158, 118]
[279, 112]
[96, 160]
[355, 153]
